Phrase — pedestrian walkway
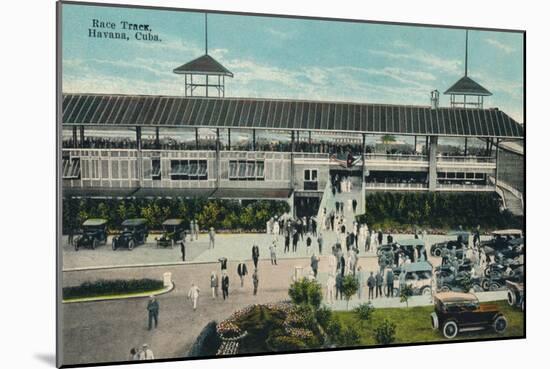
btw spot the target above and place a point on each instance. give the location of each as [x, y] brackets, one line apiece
[395, 302]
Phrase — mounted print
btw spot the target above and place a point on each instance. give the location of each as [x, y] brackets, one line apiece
[238, 184]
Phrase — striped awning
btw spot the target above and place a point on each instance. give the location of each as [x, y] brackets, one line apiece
[167, 111]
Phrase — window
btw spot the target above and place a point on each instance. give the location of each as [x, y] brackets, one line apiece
[155, 172]
[189, 169]
[310, 179]
[71, 168]
[310, 175]
[241, 170]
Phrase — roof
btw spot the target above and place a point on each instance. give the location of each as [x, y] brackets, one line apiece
[94, 222]
[134, 222]
[251, 193]
[411, 242]
[451, 297]
[459, 233]
[505, 232]
[417, 267]
[203, 65]
[172, 222]
[467, 86]
[170, 111]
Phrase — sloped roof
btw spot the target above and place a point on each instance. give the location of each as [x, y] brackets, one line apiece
[467, 86]
[175, 111]
[203, 65]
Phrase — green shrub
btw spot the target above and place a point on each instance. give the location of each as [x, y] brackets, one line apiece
[305, 293]
[104, 287]
[384, 334]
[405, 292]
[350, 285]
[406, 211]
[220, 214]
[364, 312]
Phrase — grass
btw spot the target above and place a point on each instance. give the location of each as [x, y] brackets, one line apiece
[414, 326]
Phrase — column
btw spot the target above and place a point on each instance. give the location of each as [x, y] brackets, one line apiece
[496, 162]
[81, 136]
[432, 176]
[139, 156]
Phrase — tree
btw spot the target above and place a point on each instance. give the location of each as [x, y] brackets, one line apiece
[305, 293]
[405, 292]
[384, 334]
[364, 312]
[350, 285]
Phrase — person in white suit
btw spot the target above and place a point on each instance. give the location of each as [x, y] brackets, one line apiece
[193, 294]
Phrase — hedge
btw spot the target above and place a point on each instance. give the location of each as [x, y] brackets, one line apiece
[207, 342]
[220, 214]
[395, 210]
[104, 287]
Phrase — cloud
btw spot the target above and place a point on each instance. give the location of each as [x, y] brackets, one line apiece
[499, 45]
[428, 60]
[279, 34]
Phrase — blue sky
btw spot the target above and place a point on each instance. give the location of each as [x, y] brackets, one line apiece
[291, 58]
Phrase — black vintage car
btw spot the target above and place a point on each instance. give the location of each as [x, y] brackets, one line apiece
[461, 312]
[503, 240]
[173, 231]
[461, 241]
[516, 294]
[460, 244]
[94, 233]
[134, 232]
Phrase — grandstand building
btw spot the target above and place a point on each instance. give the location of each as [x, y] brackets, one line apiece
[207, 144]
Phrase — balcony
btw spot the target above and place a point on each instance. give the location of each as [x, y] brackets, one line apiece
[457, 163]
[465, 187]
[383, 186]
[397, 162]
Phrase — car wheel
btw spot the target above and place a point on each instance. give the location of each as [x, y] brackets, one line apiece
[114, 244]
[131, 245]
[523, 305]
[511, 298]
[487, 272]
[94, 244]
[494, 287]
[437, 252]
[435, 321]
[427, 291]
[485, 285]
[450, 329]
[500, 324]
[477, 288]
[444, 289]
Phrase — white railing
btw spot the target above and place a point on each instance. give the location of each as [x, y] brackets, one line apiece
[508, 188]
[396, 157]
[396, 186]
[464, 187]
[467, 159]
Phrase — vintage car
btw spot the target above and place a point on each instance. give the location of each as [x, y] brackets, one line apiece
[452, 282]
[516, 294]
[504, 239]
[419, 276]
[134, 232]
[500, 275]
[460, 242]
[412, 248]
[173, 231]
[94, 233]
[456, 312]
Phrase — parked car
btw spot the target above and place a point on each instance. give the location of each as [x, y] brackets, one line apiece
[461, 240]
[452, 282]
[173, 232]
[412, 248]
[419, 276]
[134, 232]
[516, 294]
[503, 240]
[461, 312]
[94, 233]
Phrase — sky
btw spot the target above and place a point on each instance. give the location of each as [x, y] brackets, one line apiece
[273, 57]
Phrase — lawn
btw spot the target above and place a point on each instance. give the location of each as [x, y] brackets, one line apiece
[413, 324]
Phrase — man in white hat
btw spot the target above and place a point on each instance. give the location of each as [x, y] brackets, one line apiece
[146, 353]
